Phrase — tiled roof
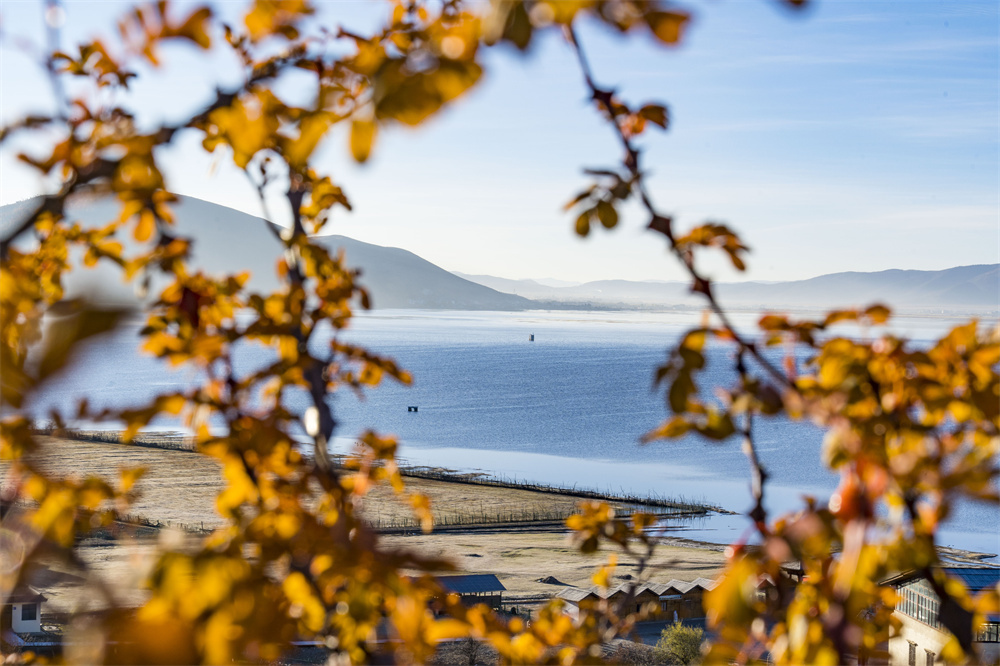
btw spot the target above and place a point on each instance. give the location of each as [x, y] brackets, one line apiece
[681, 586]
[975, 579]
[574, 594]
[705, 583]
[471, 583]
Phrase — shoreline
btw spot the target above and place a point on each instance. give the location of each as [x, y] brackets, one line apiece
[176, 505]
[179, 491]
[662, 506]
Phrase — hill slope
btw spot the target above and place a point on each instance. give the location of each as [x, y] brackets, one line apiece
[228, 240]
[400, 279]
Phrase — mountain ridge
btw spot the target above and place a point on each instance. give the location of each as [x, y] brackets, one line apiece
[976, 285]
[397, 278]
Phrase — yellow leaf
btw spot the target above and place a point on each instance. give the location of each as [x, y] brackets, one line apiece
[276, 17]
[144, 227]
[422, 509]
[311, 131]
[288, 349]
[607, 214]
[840, 315]
[674, 427]
[362, 139]
[194, 27]
[879, 314]
[447, 628]
[602, 577]
[173, 404]
[129, 477]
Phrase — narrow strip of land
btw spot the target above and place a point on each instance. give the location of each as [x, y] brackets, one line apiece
[512, 531]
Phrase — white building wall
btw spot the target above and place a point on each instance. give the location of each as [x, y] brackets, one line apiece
[927, 638]
[21, 626]
[989, 653]
[913, 631]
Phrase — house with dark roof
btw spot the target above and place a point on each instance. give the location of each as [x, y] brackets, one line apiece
[21, 624]
[922, 636]
[22, 611]
[475, 588]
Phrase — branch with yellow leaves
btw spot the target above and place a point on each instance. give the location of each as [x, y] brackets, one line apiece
[619, 117]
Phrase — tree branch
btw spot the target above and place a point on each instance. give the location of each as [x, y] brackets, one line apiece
[660, 222]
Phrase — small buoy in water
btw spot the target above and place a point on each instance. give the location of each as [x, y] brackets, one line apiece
[411, 408]
[531, 338]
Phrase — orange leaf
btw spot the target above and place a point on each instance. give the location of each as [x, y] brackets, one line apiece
[668, 27]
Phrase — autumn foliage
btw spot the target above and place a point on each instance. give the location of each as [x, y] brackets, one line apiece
[910, 429]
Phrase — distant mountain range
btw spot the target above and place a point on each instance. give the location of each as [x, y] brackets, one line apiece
[964, 286]
[227, 240]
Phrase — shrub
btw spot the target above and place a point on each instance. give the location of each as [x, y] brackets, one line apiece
[679, 644]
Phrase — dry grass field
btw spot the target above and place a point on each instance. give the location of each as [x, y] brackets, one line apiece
[179, 490]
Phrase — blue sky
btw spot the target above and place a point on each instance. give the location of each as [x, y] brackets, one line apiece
[854, 136]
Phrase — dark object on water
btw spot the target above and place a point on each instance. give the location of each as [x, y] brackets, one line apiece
[531, 338]
[411, 409]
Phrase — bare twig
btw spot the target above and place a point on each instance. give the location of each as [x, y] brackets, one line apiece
[701, 284]
[53, 17]
[758, 473]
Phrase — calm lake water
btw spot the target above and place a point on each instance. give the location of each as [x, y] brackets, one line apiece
[567, 408]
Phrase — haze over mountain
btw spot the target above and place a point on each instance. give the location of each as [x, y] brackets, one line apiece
[961, 287]
[227, 240]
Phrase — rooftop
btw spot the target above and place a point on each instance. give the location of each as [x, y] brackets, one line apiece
[471, 583]
[23, 594]
[975, 578]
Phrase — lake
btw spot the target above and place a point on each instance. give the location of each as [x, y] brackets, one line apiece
[567, 408]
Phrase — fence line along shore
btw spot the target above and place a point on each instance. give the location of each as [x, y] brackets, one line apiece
[665, 507]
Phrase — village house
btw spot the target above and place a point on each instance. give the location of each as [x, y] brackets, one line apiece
[21, 624]
[673, 601]
[475, 589]
[22, 611]
[922, 637]
[681, 600]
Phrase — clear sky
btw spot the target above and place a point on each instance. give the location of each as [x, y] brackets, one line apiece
[854, 136]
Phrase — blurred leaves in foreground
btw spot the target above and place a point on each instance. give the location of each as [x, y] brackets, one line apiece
[910, 429]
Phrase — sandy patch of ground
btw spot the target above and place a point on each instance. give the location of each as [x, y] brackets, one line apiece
[519, 559]
[179, 488]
